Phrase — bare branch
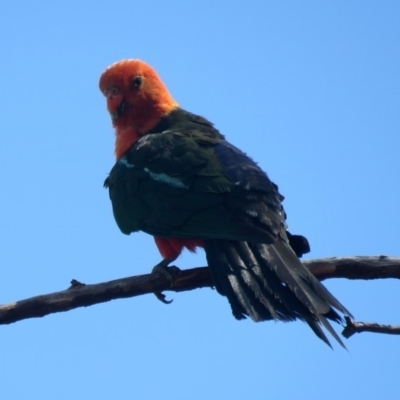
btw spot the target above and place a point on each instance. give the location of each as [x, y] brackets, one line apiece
[81, 295]
[378, 267]
[353, 327]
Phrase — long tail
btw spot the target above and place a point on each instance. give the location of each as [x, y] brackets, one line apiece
[268, 282]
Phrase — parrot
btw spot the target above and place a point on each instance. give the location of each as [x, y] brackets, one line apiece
[178, 179]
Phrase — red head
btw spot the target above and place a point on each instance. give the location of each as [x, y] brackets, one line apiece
[136, 100]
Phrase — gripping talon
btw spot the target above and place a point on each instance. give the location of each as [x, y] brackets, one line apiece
[162, 268]
[161, 296]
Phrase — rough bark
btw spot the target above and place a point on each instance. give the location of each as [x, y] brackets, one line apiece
[82, 295]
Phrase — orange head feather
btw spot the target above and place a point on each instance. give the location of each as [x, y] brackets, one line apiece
[136, 100]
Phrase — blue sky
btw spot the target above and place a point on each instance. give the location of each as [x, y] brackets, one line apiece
[311, 90]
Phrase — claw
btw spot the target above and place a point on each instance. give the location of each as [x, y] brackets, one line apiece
[162, 268]
[161, 296]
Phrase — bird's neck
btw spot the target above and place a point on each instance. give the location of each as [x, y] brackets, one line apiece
[124, 139]
[131, 127]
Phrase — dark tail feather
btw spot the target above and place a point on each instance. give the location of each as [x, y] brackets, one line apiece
[268, 282]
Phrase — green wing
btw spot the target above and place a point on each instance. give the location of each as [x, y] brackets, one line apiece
[188, 183]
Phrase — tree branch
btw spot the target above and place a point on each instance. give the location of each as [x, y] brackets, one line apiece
[353, 327]
[377, 267]
[81, 295]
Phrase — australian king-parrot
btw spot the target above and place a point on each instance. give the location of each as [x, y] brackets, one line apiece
[177, 178]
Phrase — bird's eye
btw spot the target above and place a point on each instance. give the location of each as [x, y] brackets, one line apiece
[137, 82]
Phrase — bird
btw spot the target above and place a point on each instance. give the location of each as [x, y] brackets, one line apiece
[178, 179]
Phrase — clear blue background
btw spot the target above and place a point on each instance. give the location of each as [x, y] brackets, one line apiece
[310, 89]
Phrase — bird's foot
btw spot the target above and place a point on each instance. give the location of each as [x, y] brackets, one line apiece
[163, 269]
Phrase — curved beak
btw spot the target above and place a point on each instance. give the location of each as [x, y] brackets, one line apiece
[115, 105]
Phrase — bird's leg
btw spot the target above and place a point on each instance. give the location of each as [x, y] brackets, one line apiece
[162, 268]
